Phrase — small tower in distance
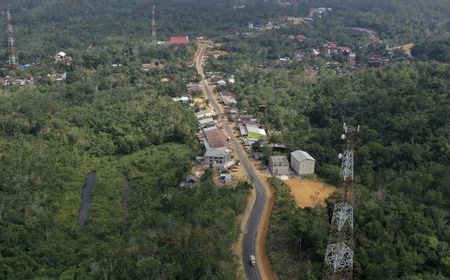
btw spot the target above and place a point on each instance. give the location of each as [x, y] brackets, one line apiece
[13, 59]
[154, 39]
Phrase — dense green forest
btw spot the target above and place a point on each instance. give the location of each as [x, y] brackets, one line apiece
[402, 164]
[121, 123]
[403, 155]
[112, 118]
[75, 25]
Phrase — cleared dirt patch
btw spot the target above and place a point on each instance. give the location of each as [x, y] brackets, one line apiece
[309, 193]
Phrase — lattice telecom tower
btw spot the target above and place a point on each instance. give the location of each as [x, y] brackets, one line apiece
[154, 39]
[339, 253]
[13, 59]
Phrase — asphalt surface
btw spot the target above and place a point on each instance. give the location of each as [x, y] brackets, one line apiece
[86, 198]
[251, 229]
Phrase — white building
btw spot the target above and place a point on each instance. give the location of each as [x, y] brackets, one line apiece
[302, 163]
[279, 165]
[204, 114]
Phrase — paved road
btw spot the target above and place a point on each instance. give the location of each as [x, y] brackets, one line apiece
[251, 229]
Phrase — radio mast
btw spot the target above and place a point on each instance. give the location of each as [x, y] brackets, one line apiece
[154, 39]
[339, 254]
[13, 59]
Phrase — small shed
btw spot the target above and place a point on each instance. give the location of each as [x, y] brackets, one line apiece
[279, 165]
[302, 163]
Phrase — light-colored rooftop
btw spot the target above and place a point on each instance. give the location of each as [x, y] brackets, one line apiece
[256, 130]
[301, 155]
[218, 152]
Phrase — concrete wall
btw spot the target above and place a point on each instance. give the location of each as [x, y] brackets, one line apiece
[305, 167]
[280, 170]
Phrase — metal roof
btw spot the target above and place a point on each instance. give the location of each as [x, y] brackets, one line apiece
[215, 137]
[218, 152]
[301, 155]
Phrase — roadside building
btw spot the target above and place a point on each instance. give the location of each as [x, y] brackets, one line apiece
[233, 111]
[215, 137]
[228, 98]
[279, 165]
[221, 83]
[206, 122]
[254, 132]
[243, 130]
[218, 156]
[302, 163]
[204, 114]
[194, 87]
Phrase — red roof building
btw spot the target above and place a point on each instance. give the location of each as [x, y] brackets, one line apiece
[179, 40]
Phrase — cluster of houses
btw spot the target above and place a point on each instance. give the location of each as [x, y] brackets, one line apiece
[192, 89]
[317, 12]
[11, 81]
[218, 153]
[58, 77]
[146, 67]
[302, 164]
[218, 79]
[333, 49]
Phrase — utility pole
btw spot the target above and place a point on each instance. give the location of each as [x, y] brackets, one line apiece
[339, 254]
[13, 59]
[154, 39]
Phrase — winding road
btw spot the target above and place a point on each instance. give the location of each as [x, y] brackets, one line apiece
[254, 239]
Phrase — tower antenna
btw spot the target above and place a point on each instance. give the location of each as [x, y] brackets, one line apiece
[13, 59]
[154, 39]
[339, 253]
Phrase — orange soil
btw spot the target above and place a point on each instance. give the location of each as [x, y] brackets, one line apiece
[243, 219]
[309, 193]
[265, 269]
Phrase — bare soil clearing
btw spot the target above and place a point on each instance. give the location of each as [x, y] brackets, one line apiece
[309, 193]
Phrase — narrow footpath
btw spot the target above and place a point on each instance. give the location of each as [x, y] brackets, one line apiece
[255, 233]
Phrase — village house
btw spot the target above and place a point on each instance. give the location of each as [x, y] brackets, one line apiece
[254, 132]
[62, 57]
[279, 165]
[221, 83]
[248, 119]
[218, 156]
[178, 40]
[233, 111]
[206, 122]
[214, 138]
[228, 98]
[302, 163]
[194, 87]
[334, 49]
[150, 66]
[204, 114]
[184, 99]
